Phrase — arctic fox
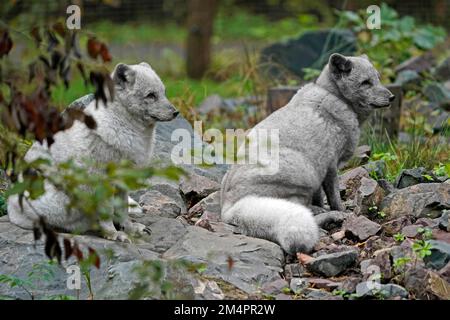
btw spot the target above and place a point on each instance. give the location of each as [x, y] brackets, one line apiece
[125, 130]
[319, 131]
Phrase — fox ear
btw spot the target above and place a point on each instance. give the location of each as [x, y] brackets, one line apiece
[339, 64]
[364, 56]
[144, 64]
[123, 75]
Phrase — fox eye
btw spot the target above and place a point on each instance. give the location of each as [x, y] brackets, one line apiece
[152, 96]
[366, 83]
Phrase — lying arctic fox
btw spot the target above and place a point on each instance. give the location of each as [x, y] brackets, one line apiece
[125, 130]
[319, 130]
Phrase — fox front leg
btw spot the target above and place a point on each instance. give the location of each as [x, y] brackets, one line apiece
[317, 199]
[331, 188]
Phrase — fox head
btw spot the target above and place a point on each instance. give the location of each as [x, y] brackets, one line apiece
[139, 89]
[359, 82]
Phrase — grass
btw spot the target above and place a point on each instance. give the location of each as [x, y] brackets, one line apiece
[227, 27]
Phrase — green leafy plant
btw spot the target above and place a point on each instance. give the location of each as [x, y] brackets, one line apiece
[399, 38]
[400, 263]
[422, 248]
[442, 170]
[2, 204]
[399, 237]
[426, 233]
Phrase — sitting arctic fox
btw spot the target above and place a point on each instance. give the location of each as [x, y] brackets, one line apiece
[125, 130]
[319, 130]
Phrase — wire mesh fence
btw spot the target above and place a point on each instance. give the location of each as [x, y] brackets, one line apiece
[160, 11]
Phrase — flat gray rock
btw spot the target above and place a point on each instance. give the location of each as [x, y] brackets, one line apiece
[248, 263]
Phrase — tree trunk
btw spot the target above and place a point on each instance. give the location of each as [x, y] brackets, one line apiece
[200, 22]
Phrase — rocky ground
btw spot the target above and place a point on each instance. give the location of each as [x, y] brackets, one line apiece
[393, 242]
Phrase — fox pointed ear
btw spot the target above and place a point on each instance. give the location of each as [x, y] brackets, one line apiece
[339, 64]
[145, 64]
[123, 75]
[364, 56]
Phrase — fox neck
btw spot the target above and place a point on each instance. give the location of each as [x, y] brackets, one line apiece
[328, 83]
[121, 131]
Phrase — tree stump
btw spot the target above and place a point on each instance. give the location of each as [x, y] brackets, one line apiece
[200, 21]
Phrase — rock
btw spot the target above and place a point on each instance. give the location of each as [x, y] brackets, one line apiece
[396, 225]
[242, 261]
[362, 153]
[207, 290]
[211, 103]
[376, 169]
[440, 255]
[426, 285]
[350, 181]
[314, 294]
[330, 265]
[440, 235]
[293, 270]
[283, 296]
[411, 231]
[369, 289]
[418, 64]
[445, 272]
[274, 287]
[386, 186]
[442, 71]
[438, 95]
[331, 219]
[410, 177]
[154, 205]
[207, 208]
[165, 143]
[444, 221]
[360, 228]
[281, 56]
[383, 261]
[421, 200]
[196, 187]
[165, 233]
[338, 235]
[320, 283]
[297, 285]
[349, 284]
[408, 79]
[369, 194]
[17, 248]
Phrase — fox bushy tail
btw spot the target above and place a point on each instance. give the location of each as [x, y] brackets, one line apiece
[289, 224]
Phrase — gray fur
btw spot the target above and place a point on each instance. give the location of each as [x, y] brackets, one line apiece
[319, 131]
[125, 130]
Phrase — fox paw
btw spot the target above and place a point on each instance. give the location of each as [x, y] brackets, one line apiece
[118, 236]
[137, 229]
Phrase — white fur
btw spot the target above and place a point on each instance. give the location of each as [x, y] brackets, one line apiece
[125, 130]
[289, 224]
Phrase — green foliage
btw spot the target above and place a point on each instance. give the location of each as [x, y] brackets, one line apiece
[422, 248]
[2, 204]
[399, 237]
[442, 170]
[400, 263]
[398, 39]
[426, 233]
